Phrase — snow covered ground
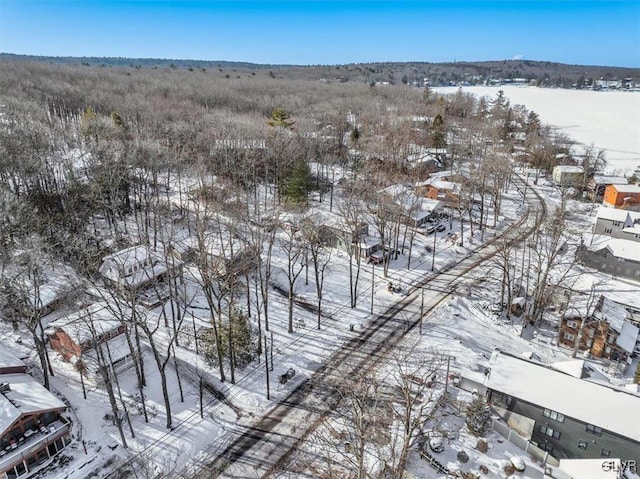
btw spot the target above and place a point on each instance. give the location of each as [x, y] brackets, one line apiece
[610, 120]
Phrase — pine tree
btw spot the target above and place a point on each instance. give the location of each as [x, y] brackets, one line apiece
[280, 118]
[295, 187]
[478, 417]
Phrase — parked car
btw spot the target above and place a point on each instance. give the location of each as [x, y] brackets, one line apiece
[441, 228]
[431, 229]
[378, 257]
[428, 248]
[436, 444]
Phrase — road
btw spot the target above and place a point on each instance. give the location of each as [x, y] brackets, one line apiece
[262, 449]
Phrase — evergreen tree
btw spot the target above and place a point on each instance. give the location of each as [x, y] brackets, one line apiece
[478, 416]
[280, 118]
[295, 187]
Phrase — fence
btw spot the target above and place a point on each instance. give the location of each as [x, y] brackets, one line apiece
[524, 444]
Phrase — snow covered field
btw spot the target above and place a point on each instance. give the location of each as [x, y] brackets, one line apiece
[610, 120]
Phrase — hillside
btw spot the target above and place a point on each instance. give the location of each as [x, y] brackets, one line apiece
[544, 73]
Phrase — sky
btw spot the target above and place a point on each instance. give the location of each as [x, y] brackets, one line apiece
[586, 32]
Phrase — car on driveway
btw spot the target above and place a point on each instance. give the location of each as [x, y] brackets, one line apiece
[441, 228]
[431, 229]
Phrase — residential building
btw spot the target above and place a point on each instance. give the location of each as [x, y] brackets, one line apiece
[598, 183]
[569, 417]
[618, 257]
[567, 175]
[342, 235]
[599, 326]
[617, 223]
[134, 268]
[622, 196]
[33, 429]
[77, 337]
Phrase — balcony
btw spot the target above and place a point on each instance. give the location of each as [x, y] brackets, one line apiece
[30, 443]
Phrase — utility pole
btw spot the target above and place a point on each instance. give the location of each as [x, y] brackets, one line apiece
[433, 252]
[271, 351]
[266, 364]
[421, 309]
[373, 267]
[446, 379]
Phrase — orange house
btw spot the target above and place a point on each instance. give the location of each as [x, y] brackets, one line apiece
[622, 196]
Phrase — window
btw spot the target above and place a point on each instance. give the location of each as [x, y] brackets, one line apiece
[569, 336]
[556, 416]
[605, 453]
[546, 447]
[607, 231]
[595, 430]
[572, 324]
[547, 431]
[582, 445]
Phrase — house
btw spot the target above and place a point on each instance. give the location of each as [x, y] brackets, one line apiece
[598, 326]
[567, 175]
[416, 209]
[598, 183]
[441, 190]
[342, 235]
[135, 268]
[618, 257]
[33, 430]
[622, 196]
[617, 223]
[569, 417]
[77, 336]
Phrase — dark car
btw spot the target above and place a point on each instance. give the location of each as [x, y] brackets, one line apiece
[441, 228]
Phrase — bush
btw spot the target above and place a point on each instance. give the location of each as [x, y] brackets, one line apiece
[484, 469]
[509, 469]
[482, 445]
[478, 418]
[463, 457]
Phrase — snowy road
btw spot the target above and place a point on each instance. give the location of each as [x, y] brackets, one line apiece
[258, 451]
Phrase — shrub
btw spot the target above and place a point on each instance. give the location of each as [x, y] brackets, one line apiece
[463, 457]
[482, 445]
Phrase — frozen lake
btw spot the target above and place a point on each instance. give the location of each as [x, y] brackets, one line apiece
[610, 120]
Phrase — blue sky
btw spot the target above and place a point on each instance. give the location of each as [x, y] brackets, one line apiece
[591, 32]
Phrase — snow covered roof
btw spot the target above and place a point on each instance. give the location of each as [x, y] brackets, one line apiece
[609, 180]
[541, 385]
[628, 336]
[591, 468]
[25, 396]
[568, 169]
[98, 315]
[445, 185]
[8, 359]
[626, 249]
[627, 188]
[133, 266]
[616, 214]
